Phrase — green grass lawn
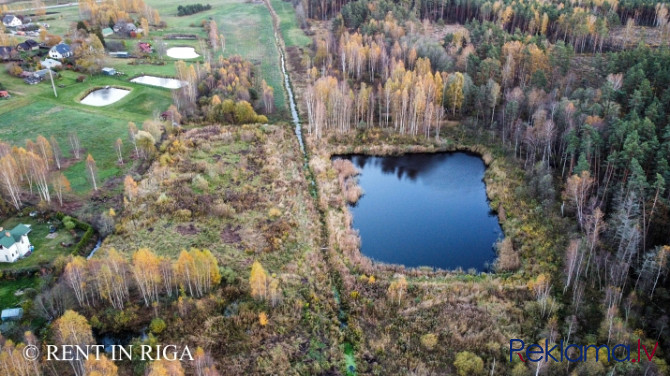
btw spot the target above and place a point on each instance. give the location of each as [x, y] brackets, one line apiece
[8, 289]
[33, 110]
[288, 24]
[46, 250]
[247, 28]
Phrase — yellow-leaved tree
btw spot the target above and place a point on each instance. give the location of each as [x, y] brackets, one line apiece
[258, 281]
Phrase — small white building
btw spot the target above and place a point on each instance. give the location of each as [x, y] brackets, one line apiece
[14, 244]
[10, 20]
[60, 51]
[11, 314]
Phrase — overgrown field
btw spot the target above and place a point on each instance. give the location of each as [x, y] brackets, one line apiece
[241, 193]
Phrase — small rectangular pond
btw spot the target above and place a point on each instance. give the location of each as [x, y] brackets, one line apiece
[104, 96]
[168, 83]
[425, 210]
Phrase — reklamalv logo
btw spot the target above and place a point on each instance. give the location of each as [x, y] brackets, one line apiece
[577, 353]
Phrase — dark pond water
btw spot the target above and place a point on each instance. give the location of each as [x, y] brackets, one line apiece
[118, 339]
[425, 210]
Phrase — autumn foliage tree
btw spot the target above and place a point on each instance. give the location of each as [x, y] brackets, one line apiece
[197, 271]
[73, 329]
[258, 281]
[101, 366]
[146, 270]
[397, 289]
[61, 186]
[92, 171]
[163, 367]
[12, 359]
[577, 190]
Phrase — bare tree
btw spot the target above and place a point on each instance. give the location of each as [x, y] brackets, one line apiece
[92, 170]
[57, 152]
[75, 146]
[9, 179]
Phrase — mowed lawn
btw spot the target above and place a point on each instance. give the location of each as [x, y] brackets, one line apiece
[11, 291]
[288, 24]
[34, 111]
[46, 250]
[247, 27]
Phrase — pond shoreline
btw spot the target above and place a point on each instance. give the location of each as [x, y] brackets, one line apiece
[440, 217]
[340, 217]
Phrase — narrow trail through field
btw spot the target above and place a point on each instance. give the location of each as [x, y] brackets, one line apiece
[347, 347]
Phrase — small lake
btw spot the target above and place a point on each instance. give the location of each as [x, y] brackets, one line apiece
[104, 97]
[182, 53]
[425, 210]
[169, 83]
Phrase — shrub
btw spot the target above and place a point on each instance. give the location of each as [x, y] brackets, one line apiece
[192, 9]
[14, 70]
[428, 341]
[223, 210]
[468, 364]
[200, 183]
[157, 325]
[274, 213]
[353, 193]
[183, 214]
[68, 223]
[508, 258]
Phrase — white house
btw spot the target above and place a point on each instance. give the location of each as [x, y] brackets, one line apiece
[60, 51]
[14, 244]
[10, 20]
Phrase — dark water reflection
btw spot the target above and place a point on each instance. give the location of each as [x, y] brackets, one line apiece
[425, 210]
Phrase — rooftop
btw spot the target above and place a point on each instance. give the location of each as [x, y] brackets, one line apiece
[8, 238]
[12, 313]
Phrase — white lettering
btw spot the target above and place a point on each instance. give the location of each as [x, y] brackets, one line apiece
[52, 352]
[146, 352]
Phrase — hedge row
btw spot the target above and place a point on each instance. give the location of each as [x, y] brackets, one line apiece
[89, 232]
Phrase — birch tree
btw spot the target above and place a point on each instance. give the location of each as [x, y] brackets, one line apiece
[147, 274]
[75, 146]
[9, 179]
[92, 171]
[56, 151]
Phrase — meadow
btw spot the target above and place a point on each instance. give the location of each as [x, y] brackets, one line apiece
[247, 28]
[8, 289]
[288, 24]
[33, 110]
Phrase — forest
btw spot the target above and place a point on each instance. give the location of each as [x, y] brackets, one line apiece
[583, 114]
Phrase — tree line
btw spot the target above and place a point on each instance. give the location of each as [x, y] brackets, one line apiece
[192, 9]
[112, 278]
[222, 91]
